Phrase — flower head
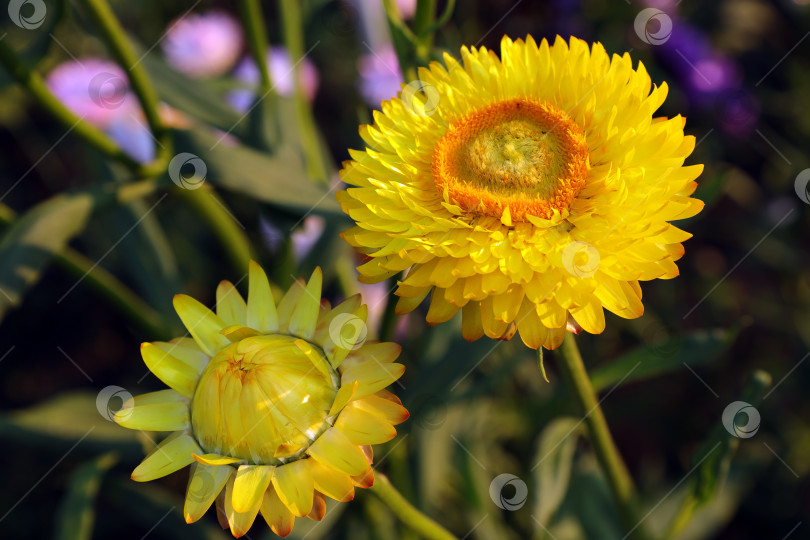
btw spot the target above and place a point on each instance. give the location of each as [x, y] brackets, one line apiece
[203, 45]
[523, 189]
[274, 407]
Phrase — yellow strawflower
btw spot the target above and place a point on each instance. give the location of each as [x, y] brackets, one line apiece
[523, 189]
[273, 407]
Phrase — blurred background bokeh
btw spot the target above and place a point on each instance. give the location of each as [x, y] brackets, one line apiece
[739, 70]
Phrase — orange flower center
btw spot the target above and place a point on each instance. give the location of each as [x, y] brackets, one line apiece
[522, 154]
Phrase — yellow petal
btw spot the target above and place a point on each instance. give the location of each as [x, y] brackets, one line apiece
[203, 325]
[288, 302]
[261, 307]
[384, 404]
[371, 377]
[239, 522]
[362, 427]
[155, 398]
[334, 484]
[231, 307]
[344, 395]
[249, 486]
[346, 333]
[172, 454]
[406, 305]
[318, 508]
[315, 357]
[187, 350]
[295, 486]
[237, 332]
[590, 316]
[471, 327]
[215, 459]
[335, 450]
[204, 484]
[440, 309]
[277, 516]
[305, 316]
[172, 416]
[170, 369]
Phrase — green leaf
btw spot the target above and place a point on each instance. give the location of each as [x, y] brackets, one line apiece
[552, 473]
[198, 99]
[30, 244]
[76, 515]
[645, 362]
[71, 420]
[278, 179]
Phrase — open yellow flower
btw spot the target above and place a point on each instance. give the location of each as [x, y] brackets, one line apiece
[273, 407]
[522, 190]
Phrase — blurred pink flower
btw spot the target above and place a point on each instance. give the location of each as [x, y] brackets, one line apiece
[98, 91]
[407, 8]
[281, 73]
[380, 76]
[203, 45]
[94, 89]
[304, 238]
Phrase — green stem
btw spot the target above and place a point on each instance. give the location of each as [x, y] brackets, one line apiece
[406, 512]
[423, 19]
[310, 140]
[209, 207]
[123, 52]
[253, 21]
[107, 285]
[403, 40]
[573, 369]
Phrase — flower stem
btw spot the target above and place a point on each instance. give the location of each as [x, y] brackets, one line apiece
[406, 512]
[253, 21]
[573, 369]
[231, 234]
[310, 140]
[121, 49]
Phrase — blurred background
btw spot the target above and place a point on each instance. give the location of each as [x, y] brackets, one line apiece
[93, 249]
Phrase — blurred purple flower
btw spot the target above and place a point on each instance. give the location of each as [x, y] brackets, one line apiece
[133, 137]
[304, 239]
[281, 73]
[94, 89]
[203, 45]
[380, 76]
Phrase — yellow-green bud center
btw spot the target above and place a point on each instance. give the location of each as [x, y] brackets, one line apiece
[263, 399]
